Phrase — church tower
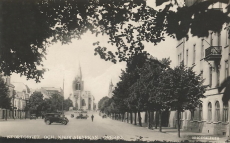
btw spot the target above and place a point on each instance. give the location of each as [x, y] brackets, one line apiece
[78, 87]
[110, 90]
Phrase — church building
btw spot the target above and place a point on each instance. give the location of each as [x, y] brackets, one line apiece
[110, 94]
[81, 99]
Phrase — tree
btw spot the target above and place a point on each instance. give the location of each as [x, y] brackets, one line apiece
[67, 103]
[145, 93]
[35, 104]
[5, 99]
[41, 23]
[152, 75]
[197, 19]
[185, 88]
[54, 102]
[101, 103]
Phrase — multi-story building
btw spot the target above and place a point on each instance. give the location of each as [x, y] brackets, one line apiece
[210, 58]
[22, 92]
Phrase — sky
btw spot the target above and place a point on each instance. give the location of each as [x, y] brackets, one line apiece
[63, 61]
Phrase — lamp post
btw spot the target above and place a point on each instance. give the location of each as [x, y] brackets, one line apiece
[13, 105]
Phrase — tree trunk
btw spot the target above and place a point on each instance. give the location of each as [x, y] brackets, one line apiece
[178, 122]
[156, 119]
[139, 117]
[131, 117]
[149, 120]
[160, 127]
[127, 117]
[6, 114]
[135, 118]
[123, 116]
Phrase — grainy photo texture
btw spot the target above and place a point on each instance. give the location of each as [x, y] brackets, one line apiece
[114, 70]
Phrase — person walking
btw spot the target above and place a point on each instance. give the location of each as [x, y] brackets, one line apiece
[92, 117]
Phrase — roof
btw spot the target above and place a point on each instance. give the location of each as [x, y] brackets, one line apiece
[52, 89]
[20, 87]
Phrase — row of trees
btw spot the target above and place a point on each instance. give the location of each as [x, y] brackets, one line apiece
[54, 103]
[150, 85]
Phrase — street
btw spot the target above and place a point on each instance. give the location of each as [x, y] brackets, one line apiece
[78, 128]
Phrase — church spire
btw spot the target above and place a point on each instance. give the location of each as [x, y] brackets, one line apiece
[79, 74]
[111, 83]
[110, 89]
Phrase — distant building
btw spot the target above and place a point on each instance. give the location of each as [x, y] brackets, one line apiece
[22, 93]
[48, 91]
[110, 94]
[81, 99]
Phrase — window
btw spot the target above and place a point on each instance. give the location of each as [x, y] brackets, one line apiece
[192, 114]
[78, 86]
[200, 112]
[187, 57]
[209, 111]
[217, 111]
[202, 49]
[83, 102]
[219, 39]
[194, 53]
[211, 40]
[217, 75]
[225, 113]
[226, 35]
[226, 69]
[178, 59]
[210, 77]
[201, 74]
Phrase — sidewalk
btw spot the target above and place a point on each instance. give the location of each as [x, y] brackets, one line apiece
[10, 119]
[186, 135]
[194, 136]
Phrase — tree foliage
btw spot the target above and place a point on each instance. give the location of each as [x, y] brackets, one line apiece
[67, 103]
[101, 103]
[36, 102]
[28, 28]
[54, 102]
[155, 87]
[5, 99]
[185, 90]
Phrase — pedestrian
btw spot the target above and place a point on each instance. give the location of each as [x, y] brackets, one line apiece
[92, 117]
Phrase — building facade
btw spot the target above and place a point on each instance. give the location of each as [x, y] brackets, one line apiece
[81, 99]
[210, 58]
[19, 100]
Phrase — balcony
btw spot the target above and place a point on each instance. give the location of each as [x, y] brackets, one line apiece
[213, 53]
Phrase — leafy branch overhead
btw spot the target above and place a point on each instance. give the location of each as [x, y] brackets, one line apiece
[28, 28]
